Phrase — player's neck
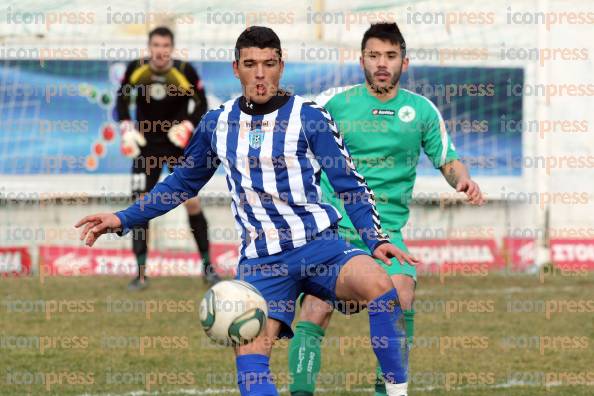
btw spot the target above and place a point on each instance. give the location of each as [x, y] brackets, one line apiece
[161, 69]
[273, 104]
[383, 96]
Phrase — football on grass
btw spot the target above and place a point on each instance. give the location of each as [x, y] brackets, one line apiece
[233, 312]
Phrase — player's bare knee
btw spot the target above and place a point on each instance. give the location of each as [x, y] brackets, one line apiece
[315, 311]
[193, 206]
[406, 299]
[405, 287]
[379, 285]
[261, 346]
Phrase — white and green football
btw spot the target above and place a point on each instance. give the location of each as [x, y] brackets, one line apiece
[233, 312]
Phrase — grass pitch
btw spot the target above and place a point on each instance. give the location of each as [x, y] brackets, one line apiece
[479, 336]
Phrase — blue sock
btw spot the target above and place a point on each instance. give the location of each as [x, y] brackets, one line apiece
[253, 375]
[388, 337]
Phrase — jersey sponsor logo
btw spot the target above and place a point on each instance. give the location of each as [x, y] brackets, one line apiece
[406, 114]
[263, 124]
[158, 91]
[383, 112]
[256, 136]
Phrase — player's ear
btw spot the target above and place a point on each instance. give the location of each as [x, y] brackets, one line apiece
[361, 62]
[236, 68]
[404, 64]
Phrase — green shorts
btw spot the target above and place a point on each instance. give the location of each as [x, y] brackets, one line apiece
[396, 268]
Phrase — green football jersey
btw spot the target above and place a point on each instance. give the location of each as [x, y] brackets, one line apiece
[385, 141]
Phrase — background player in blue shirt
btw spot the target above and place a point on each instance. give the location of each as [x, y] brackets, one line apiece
[273, 147]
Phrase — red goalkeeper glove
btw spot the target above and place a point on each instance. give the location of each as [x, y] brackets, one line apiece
[181, 133]
[132, 140]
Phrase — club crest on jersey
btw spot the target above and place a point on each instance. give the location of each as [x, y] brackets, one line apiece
[406, 114]
[157, 91]
[383, 112]
[255, 137]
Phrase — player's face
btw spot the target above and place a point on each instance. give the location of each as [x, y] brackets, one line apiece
[160, 48]
[383, 64]
[259, 70]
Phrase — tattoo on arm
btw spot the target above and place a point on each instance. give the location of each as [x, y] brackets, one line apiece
[451, 176]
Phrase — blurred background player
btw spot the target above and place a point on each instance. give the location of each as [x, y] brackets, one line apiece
[170, 100]
[402, 123]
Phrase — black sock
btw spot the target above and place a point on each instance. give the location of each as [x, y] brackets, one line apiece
[139, 245]
[199, 228]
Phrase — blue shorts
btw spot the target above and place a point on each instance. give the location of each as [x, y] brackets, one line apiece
[312, 269]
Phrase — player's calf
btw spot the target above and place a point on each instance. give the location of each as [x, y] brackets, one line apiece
[253, 363]
[405, 286]
[376, 291]
[316, 311]
[305, 353]
[199, 227]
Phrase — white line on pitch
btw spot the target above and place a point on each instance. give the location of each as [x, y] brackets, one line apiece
[503, 290]
[226, 391]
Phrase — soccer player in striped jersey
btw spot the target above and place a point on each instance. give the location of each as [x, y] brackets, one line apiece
[170, 100]
[273, 147]
[385, 128]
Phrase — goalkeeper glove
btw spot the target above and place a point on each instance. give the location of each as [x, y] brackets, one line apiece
[132, 140]
[180, 134]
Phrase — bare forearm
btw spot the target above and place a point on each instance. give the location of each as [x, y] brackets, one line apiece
[453, 172]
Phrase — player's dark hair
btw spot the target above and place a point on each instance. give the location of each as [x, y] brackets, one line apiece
[260, 37]
[387, 32]
[161, 31]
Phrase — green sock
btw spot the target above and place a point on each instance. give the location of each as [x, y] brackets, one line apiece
[409, 320]
[305, 358]
[380, 385]
[206, 267]
[141, 260]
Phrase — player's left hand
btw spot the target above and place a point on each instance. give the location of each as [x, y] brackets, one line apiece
[385, 251]
[472, 191]
[180, 134]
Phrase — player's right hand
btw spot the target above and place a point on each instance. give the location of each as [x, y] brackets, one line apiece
[132, 140]
[97, 225]
[385, 251]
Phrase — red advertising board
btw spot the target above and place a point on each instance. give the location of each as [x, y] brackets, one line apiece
[14, 261]
[82, 261]
[573, 254]
[521, 253]
[467, 254]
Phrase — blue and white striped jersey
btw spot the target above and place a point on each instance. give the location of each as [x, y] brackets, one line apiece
[273, 156]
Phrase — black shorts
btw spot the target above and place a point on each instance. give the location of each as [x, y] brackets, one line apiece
[147, 167]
